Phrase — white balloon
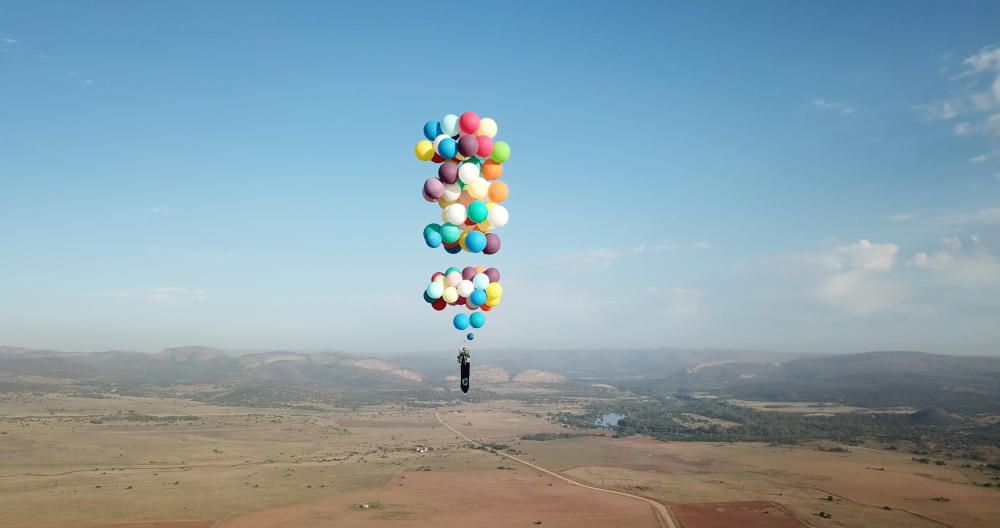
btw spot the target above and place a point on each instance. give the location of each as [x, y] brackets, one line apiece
[498, 216]
[487, 127]
[465, 288]
[481, 281]
[449, 125]
[452, 191]
[453, 279]
[437, 141]
[455, 213]
[450, 294]
[468, 172]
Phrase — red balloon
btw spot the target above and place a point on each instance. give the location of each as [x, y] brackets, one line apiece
[437, 159]
[439, 304]
[485, 146]
[469, 123]
[461, 301]
[436, 275]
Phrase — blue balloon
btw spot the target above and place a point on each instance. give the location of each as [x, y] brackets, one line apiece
[477, 319]
[461, 321]
[432, 129]
[470, 336]
[478, 297]
[447, 148]
[475, 241]
[453, 250]
[432, 238]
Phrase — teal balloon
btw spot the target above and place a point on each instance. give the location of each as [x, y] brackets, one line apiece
[450, 233]
[432, 228]
[451, 269]
[475, 241]
[478, 297]
[477, 320]
[461, 321]
[477, 211]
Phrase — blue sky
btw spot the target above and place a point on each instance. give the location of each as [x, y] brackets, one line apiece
[787, 176]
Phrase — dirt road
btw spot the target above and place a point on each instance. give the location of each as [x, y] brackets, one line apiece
[660, 511]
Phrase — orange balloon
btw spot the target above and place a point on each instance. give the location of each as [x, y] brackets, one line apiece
[485, 308]
[498, 191]
[492, 170]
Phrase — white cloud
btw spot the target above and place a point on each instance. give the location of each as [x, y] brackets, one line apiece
[989, 216]
[834, 106]
[162, 295]
[899, 218]
[980, 158]
[978, 96]
[162, 210]
[670, 245]
[962, 262]
[8, 40]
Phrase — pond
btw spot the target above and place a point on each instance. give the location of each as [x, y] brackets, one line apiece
[609, 420]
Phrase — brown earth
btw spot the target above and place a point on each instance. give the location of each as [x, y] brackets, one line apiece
[486, 497]
[730, 514]
[163, 524]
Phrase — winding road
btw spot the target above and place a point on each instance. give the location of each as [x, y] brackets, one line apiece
[660, 512]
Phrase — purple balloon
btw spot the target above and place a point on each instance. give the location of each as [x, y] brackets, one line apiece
[468, 145]
[493, 273]
[448, 172]
[427, 196]
[492, 246]
[433, 188]
[468, 273]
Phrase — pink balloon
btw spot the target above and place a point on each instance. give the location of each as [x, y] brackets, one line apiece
[485, 146]
[469, 123]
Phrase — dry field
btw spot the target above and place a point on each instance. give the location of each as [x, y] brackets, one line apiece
[68, 461]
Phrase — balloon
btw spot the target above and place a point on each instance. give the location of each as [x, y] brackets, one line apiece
[498, 191]
[452, 192]
[450, 233]
[468, 146]
[492, 244]
[461, 321]
[477, 211]
[487, 127]
[477, 320]
[448, 172]
[492, 170]
[453, 250]
[437, 275]
[485, 307]
[435, 158]
[455, 213]
[493, 274]
[501, 152]
[475, 241]
[484, 146]
[433, 188]
[424, 150]
[449, 125]
[481, 281]
[460, 301]
[468, 272]
[465, 288]
[478, 297]
[498, 216]
[492, 303]
[427, 298]
[494, 291]
[434, 290]
[450, 295]
[469, 123]
[432, 129]
[451, 269]
[433, 239]
[470, 336]
[465, 198]
[452, 278]
[479, 188]
[446, 147]
[468, 172]
[439, 304]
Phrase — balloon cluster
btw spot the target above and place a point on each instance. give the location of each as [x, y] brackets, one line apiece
[467, 186]
[478, 289]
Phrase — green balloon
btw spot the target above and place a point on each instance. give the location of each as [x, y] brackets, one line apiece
[451, 269]
[501, 152]
[450, 233]
[477, 211]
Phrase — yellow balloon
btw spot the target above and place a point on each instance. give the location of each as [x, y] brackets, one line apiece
[424, 150]
[442, 203]
[485, 226]
[479, 188]
[461, 239]
[487, 127]
[494, 291]
[450, 294]
[492, 302]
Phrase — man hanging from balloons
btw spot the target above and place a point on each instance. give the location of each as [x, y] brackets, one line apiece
[469, 192]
